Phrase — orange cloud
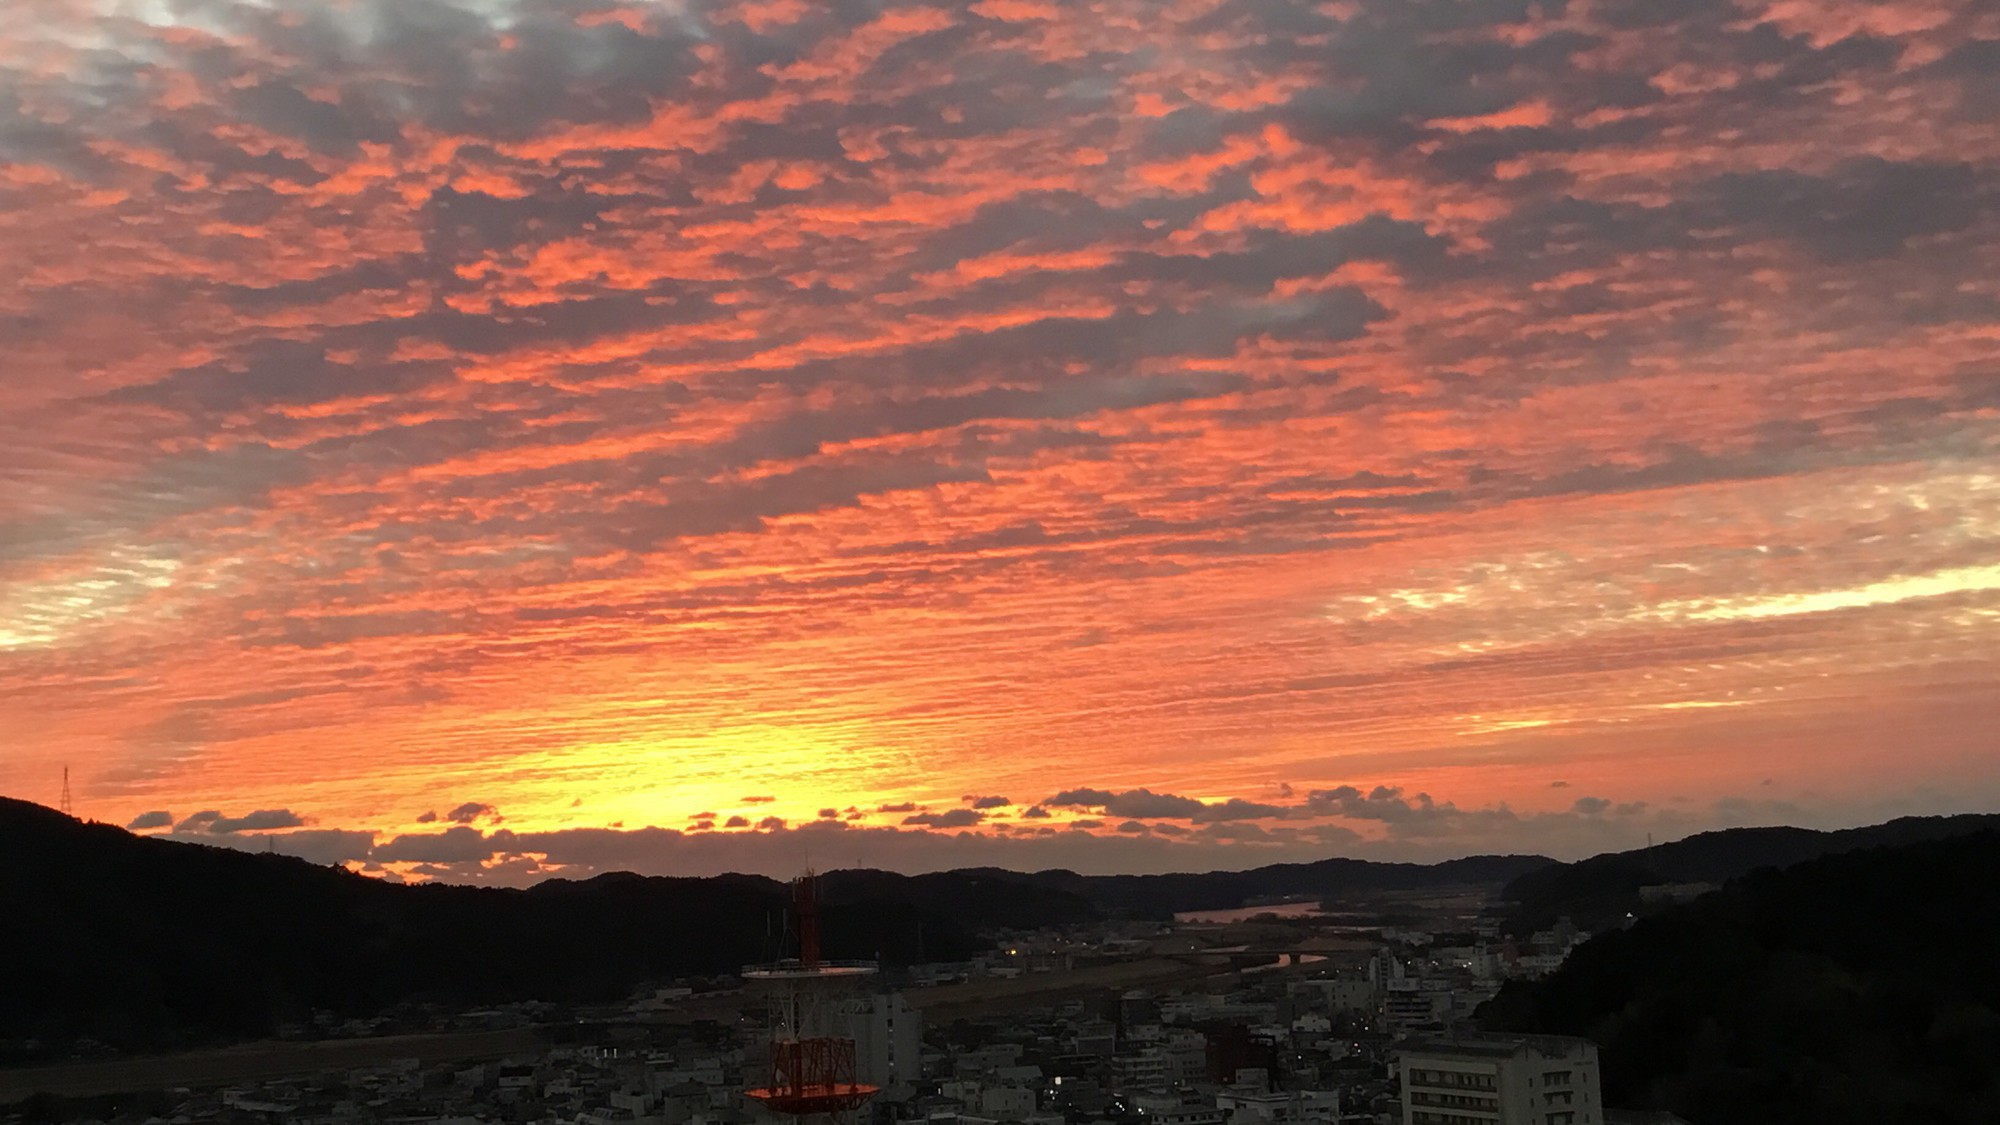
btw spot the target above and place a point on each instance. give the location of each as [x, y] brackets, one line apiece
[605, 415]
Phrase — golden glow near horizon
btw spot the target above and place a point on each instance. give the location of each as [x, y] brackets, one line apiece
[954, 434]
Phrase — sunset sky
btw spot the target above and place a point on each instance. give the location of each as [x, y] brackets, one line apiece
[481, 439]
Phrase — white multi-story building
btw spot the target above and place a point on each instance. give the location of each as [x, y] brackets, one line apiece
[1186, 1052]
[888, 1042]
[1385, 967]
[1141, 1070]
[1407, 1004]
[1500, 1080]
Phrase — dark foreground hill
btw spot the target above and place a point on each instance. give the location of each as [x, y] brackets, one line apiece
[1855, 989]
[150, 943]
[145, 943]
[1600, 891]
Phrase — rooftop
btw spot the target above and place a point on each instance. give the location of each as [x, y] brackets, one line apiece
[1489, 1044]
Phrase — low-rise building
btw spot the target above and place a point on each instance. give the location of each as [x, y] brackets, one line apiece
[1500, 1080]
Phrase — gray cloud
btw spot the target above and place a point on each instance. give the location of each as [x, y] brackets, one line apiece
[1332, 835]
[1233, 831]
[1144, 804]
[1412, 816]
[150, 820]
[1081, 798]
[472, 812]
[258, 821]
[1236, 808]
[950, 818]
[199, 822]
[1420, 830]
[467, 854]
[453, 845]
[319, 845]
[1865, 209]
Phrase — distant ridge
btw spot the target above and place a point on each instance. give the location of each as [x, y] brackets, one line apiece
[148, 943]
[1161, 896]
[1599, 891]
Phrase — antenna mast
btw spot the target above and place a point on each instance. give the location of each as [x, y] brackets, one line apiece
[68, 806]
[812, 1060]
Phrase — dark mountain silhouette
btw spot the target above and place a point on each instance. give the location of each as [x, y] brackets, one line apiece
[151, 943]
[142, 942]
[1855, 988]
[1602, 890]
[1161, 896]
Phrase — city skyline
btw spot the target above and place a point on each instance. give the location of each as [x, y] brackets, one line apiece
[472, 440]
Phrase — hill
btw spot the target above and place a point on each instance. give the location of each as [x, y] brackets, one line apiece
[1853, 988]
[1600, 891]
[148, 943]
[1162, 896]
[151, 943]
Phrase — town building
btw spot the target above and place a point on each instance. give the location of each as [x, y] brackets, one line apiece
[1500, 1080]
[888, 1042]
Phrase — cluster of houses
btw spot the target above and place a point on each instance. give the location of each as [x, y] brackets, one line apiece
[1320, 1039]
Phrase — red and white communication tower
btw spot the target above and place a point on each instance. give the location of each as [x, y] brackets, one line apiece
[812, 1056]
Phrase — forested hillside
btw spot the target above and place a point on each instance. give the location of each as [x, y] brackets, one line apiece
[1855, 989]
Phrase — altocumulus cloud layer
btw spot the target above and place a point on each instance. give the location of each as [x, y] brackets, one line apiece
[1266, 427]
